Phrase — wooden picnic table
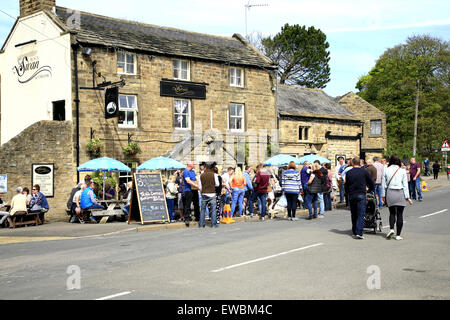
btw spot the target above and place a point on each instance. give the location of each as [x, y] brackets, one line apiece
[114, 208]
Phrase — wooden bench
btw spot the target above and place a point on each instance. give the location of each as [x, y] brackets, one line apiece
[23, 218]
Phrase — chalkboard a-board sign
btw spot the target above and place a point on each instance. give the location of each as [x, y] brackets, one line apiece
[148, 201]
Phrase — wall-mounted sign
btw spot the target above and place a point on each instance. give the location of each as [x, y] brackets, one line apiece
[112, 103]
[3, 183]
[43, 175]
[182, 89]
[29, 68]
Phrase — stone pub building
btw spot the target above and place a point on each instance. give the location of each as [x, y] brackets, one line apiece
[180, 94]
[56, 64]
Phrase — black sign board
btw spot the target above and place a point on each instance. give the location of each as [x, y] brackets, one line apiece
[182, 89]
[111, 103]
[148, 201]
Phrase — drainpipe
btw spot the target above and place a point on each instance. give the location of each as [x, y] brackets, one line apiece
[77, 107]
[361, 135]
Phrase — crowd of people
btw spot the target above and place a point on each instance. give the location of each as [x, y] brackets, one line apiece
[249, 192]
[257, 191]
[23, 201]
[260, 191]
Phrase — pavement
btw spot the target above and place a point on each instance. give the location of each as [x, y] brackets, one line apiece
[63, 230]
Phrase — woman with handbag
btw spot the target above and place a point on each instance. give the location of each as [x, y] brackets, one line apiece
[315, 186]
[395, 193]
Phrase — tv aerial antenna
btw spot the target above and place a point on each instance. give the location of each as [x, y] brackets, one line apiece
[247, 9]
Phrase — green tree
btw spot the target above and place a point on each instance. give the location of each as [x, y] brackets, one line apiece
[302, 55]
[410, 73]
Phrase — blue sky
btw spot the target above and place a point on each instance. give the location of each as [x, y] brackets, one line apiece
[358, 31]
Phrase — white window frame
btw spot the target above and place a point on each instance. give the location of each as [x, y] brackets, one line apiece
[188, 113]
[126, 109]
[233, 77]
[242, 129]
[126, 63]
[380, 127]
[177, 65]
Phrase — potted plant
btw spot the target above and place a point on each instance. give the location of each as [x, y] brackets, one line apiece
[132, 149]
[95, 148]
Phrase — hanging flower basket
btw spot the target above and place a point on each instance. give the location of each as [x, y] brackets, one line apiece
[95, 148]
[131, 150]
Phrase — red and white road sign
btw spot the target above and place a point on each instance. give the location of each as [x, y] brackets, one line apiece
[445, 146]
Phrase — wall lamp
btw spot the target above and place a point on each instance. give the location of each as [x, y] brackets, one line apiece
[87, 51]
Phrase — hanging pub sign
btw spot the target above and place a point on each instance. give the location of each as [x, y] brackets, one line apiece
[43, 175]
[183, 89]
[112, 103]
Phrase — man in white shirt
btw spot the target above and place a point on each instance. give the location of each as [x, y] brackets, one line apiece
[226, 184]
[76, 206]
[338, 178]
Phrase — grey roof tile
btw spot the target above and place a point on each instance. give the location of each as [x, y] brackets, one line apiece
[131, 35]
[312, 102]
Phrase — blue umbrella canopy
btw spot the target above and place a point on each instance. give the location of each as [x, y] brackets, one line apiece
[161, 163]
[311, 158]
[103, 164]
[280, 160]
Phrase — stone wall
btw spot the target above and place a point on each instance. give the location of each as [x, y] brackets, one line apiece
[155, 133]
[317, 143]
[367, 112]
[28, 7]
[43, 142]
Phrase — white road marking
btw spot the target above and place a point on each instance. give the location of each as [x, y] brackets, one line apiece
[105, 234]
[266, 258]
[237, 229]
[115, 295]
[432, 214]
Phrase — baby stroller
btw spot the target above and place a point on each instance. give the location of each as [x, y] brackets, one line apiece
[372, 218]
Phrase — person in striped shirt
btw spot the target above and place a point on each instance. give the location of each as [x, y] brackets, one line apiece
[291, 186]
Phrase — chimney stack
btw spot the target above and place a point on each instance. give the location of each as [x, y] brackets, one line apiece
[29, 7]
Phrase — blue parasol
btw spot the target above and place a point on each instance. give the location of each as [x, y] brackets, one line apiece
[103, 165]
[311, 158]
[160, 163]
[280, 160]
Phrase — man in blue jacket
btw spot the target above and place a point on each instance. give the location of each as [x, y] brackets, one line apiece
[88, 200]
